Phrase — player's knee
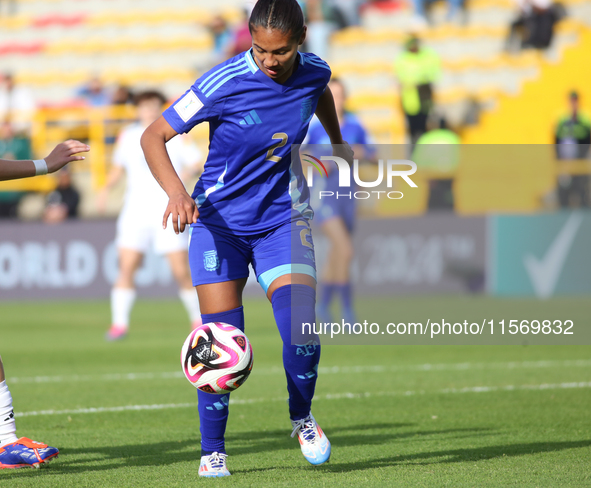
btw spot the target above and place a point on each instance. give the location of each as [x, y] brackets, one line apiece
[345, 250]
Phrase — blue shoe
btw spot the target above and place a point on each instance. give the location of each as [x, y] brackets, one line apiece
[213, 465]
[26, 453]
[314, 443]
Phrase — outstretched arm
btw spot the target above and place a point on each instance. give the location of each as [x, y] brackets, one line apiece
[61, 155]
[180, 204]
[327, 114]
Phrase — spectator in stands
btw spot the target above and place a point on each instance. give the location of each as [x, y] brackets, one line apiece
[572, 138]
[62, 203]
[348, 12]
[94, 93]
[534, 26]
[417, 68]
[16, 104]
[241, 40]
[422, 10]
[437, 153]
[122, 96]
[7, 8]
[222, 39]
[319, 28]
[12, 146]
[323, 17]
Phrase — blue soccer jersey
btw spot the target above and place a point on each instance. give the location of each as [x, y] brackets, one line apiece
[328, 208]
[249, 184]
[352, 132]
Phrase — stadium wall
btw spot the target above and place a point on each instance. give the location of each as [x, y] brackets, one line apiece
[508, 255]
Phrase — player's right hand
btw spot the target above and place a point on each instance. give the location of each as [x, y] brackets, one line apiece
[64, 153]
[183, 210]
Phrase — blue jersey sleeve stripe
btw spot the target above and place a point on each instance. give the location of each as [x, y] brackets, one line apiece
[225, 80]
[241, 60]
[223, 73]
[251, 63]
[320, 64]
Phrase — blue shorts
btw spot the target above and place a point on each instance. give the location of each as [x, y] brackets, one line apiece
[331, 207]
[217, 255]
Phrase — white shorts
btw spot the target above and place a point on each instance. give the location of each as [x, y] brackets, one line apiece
[142, 230]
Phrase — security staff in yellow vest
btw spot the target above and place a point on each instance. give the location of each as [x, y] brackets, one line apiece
[572, 138]
[417, 68]
[437, 153]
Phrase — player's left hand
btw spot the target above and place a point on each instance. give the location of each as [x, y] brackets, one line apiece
[343, 151]
[183, 210]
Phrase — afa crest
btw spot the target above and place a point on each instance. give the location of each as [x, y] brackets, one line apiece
[211, 260]
[306, 110]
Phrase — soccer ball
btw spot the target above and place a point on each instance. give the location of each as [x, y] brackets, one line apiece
[216, 358]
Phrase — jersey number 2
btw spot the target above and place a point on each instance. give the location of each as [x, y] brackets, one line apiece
[282, 136]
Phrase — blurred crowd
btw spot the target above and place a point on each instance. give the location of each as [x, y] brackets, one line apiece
[416, 71]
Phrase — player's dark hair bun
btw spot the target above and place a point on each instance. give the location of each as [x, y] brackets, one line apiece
[283, 15]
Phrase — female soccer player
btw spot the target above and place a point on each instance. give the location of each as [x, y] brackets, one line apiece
[138, 226]
[23, 452]
[336, 217]
[251, 203]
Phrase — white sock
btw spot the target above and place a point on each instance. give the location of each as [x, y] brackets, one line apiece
[7, 423]
[191, 303]
[122, 300]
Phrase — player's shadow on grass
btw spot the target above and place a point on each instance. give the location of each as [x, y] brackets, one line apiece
[458, 455]
[274, 440]
[104, 458]
[356, 435]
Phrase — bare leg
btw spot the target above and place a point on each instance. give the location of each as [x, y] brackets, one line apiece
[221, 297]
[179, 265]
[291, 279]
[337, 268]
[129, 262]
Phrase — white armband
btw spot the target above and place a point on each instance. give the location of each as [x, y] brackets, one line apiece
[40, 167]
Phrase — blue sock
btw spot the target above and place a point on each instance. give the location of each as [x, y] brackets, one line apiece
[346, 299]
[325, 294]
[294, 305]
[213, 408]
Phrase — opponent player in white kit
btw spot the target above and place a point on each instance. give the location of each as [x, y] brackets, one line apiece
[139, 226]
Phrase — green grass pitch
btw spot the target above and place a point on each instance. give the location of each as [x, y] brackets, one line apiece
[123, 415]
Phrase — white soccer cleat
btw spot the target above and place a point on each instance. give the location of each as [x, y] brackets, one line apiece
[213, 465]
[314, 443]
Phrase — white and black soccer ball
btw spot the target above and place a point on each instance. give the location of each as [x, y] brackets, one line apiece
[217, 357]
